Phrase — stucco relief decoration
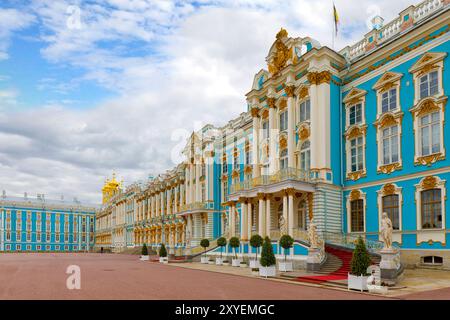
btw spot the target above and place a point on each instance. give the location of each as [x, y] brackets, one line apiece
[303, 132]
[304, 92]
[271, 102]
[282, 104]
[283, 142]
[429, 183]
[389, 168]
[355, 195]
[318, 78]
[282, 54]
[355, 132]
[255, 112]
[290, 91]
[388, 189]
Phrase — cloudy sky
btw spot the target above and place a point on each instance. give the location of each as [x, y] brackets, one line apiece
[88, 87]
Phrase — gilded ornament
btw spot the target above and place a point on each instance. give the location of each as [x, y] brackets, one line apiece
[290, 91]
[304, 133]
[283, 142]
[388, 189]
[271, 102]
[427, 106]
[429, 182]
[310, 205]
[303, 92]
[389, 168]
[282, 54]
[255, 112]
[283, 104]
[387, 121]
[355, 195]
[356, 132]
[430, 159]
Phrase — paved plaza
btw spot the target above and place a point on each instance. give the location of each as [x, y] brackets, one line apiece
[116, 276]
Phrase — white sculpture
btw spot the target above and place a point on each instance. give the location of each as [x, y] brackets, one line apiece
[282, 224]
[226, 226]
[312, 234]
[188, 239]
[386, 231]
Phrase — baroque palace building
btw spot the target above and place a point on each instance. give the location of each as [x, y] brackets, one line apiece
[38, 225]
[337, 137]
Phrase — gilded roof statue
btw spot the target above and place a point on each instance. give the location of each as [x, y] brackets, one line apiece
[282, 53]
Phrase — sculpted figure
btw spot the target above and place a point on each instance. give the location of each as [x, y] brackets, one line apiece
[282, 224]
[386, 231]
[312, 234]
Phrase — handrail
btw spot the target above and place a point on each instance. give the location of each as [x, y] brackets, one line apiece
[349, 241]
[281, 175]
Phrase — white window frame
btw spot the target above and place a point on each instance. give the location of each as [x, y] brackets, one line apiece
[361, 196]
[438, 234]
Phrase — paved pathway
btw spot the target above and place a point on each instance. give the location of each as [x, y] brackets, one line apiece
[114, 276]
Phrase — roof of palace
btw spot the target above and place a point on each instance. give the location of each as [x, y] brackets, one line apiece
[40, 202]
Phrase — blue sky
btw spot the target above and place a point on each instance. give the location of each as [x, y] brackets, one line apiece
[88, 87]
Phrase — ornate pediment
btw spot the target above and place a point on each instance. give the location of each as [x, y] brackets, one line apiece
[428, 105]
[354, 96]
[388, 119]
[281, 54]
[427, 61]
[355, 131]
[387, 81]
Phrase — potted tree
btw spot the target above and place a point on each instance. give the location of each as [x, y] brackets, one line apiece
[221, 242]
[204, 244]
[286, 242]
[268, 261]
[357, 278]
[163, 254]
[234, 243]
[144, 253]
[256, 242]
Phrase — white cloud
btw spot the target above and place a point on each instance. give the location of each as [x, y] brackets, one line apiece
[11, 20]
[171, 63]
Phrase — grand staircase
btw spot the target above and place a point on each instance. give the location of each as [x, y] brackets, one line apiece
[336, 267]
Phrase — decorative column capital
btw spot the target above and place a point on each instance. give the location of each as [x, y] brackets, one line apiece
[319, 77]
[290, 91]
[255, 112]
[290, 191]
[271, 102]
[260, 196]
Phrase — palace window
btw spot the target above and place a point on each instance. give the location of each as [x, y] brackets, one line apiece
[225, 190]
[28, 236]
[429, 85]
[224, 166]
[357, 215]
[301, 215]
[432, 260]
[283, 121]
[430, 135]
[265, 129]
[431, 210]
[355, 114]
[248, 157]
[236, 161]
[389, 100]
[18, 236]
[279, 215]
[356, 154]
[8, 236]
[305, 156]
[283, 159]
[305, 110]
[390, 145]
[48, 237]
[390, 205]
[38, 237]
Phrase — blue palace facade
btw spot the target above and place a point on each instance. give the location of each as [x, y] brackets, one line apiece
[333, 137]
[40, 225]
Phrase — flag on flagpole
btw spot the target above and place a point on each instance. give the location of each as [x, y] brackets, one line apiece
[336, 19]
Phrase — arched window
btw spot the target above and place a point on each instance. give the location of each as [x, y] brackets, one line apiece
[301, 215]
[284, 159]
[305, 156]
[431, 209]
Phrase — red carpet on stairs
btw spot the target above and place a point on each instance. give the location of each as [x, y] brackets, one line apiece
[339, 274]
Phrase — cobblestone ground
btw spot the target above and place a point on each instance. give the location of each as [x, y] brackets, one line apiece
[114, 276]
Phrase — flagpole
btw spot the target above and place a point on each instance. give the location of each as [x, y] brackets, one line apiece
[332, 25]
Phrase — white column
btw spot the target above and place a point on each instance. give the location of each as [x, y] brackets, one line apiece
[198, 191]
[232, 219]
[268, 215]
[186, 181]
[314, 137]
[291, 213]
[192, 191]
[261, 215]
[291, 126]
[285, 208]
[244, 234]
[168, 196]
[273, 165]
[249, 220]
[255, 143]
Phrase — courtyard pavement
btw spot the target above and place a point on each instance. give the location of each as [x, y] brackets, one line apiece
[119, 276]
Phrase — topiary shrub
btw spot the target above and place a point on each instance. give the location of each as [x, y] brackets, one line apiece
[360, 259]
[221, 242]
[256, 241]
[162, 251]
[234, 243]
[286, 242]
[204, 244]
[267, 256]
[144, 251]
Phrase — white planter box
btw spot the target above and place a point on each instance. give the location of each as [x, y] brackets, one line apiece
[163, 260]
[254, 264]
[357, 282]
[204, 260]
[268, 271]
[285, 266]
[211, 262]
[236, 262]
[219, 261]
[145, 258]
[243, 264]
